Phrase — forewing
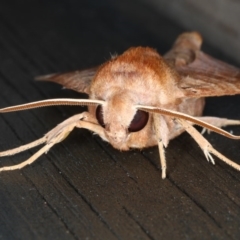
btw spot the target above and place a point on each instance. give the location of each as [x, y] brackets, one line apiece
[207, 76]
[200, 74]
[78, 80]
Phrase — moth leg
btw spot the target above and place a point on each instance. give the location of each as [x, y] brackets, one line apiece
[161, 130]
[28, 161]
[218, 122]
[162, 158]
[23, 147]
[205, 145]
[56, 135]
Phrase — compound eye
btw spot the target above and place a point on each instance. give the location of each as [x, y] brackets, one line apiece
[99, 115]
[139, 121]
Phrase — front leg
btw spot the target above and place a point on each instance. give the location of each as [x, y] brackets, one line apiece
[162, 134]
[56, 135]
[205, 145]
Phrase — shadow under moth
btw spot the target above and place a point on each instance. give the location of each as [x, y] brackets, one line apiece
[141, 99]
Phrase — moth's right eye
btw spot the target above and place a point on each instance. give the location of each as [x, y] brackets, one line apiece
[139, 121]
[99, 115]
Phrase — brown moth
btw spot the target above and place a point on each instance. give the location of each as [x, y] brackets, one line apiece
[140, 99]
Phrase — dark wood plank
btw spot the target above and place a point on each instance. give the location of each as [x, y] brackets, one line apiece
[83, 188]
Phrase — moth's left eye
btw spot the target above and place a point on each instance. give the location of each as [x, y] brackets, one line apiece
[99, 115]
[139, 121]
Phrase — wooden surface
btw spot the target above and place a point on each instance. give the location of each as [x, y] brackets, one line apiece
[83, 188]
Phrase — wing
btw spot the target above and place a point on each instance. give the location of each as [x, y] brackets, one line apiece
[78, 80]
[200, 74]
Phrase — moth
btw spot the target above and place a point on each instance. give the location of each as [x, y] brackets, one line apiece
[141, 99]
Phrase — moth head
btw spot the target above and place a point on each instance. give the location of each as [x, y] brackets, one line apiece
[119, 117]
